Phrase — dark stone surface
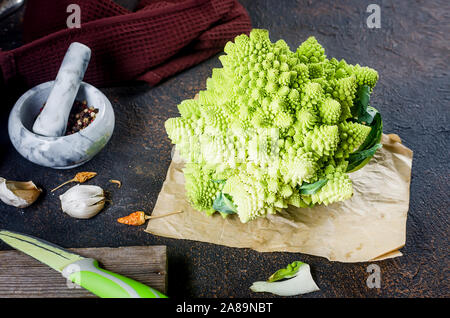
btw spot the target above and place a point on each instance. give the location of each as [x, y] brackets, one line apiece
[410, 52]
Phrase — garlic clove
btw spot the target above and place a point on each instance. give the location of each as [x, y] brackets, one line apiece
[20, 194]
[82, 192]
[83, 201]
[84, 212]
[300, 282]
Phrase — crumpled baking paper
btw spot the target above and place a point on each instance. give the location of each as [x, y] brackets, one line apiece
[368, 227]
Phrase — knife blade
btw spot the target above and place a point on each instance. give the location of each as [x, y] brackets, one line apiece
[83, 271]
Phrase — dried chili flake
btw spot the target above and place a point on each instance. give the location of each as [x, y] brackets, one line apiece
[139, 217]
[84, 176]
[119, 184]
[80, 177]
[136, 218]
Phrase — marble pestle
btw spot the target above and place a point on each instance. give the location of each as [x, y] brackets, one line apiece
[52, 121]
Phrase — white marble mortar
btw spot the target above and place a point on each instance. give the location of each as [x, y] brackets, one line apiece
[63, 152]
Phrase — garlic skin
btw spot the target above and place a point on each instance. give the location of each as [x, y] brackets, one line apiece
[20, 194]
[83, 201]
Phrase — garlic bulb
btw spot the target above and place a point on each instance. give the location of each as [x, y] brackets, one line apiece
[83, 201]
[17, 193]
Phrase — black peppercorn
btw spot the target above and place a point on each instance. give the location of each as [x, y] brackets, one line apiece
[80, 117]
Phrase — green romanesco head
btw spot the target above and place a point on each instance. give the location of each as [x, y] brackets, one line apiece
[269, 121]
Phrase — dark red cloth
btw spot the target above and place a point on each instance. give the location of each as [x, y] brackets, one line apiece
[158, 40]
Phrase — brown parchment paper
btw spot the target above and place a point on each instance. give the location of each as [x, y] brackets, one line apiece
[368, 227]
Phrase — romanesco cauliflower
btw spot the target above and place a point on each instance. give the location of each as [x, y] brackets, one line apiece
[270, 121]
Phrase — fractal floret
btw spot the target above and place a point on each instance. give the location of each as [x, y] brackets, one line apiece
[274, 128]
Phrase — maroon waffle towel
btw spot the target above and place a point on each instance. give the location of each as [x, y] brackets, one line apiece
[158, 40]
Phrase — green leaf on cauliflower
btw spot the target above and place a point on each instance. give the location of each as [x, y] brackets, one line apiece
[224, 204]
[311, 188]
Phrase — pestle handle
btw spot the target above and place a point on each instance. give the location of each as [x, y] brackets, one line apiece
[52, 121]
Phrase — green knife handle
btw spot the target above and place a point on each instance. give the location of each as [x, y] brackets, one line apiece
[106, 284]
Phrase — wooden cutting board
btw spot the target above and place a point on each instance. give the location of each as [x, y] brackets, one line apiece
[23, 276]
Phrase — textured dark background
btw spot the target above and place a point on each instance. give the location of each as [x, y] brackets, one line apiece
[410, 52]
